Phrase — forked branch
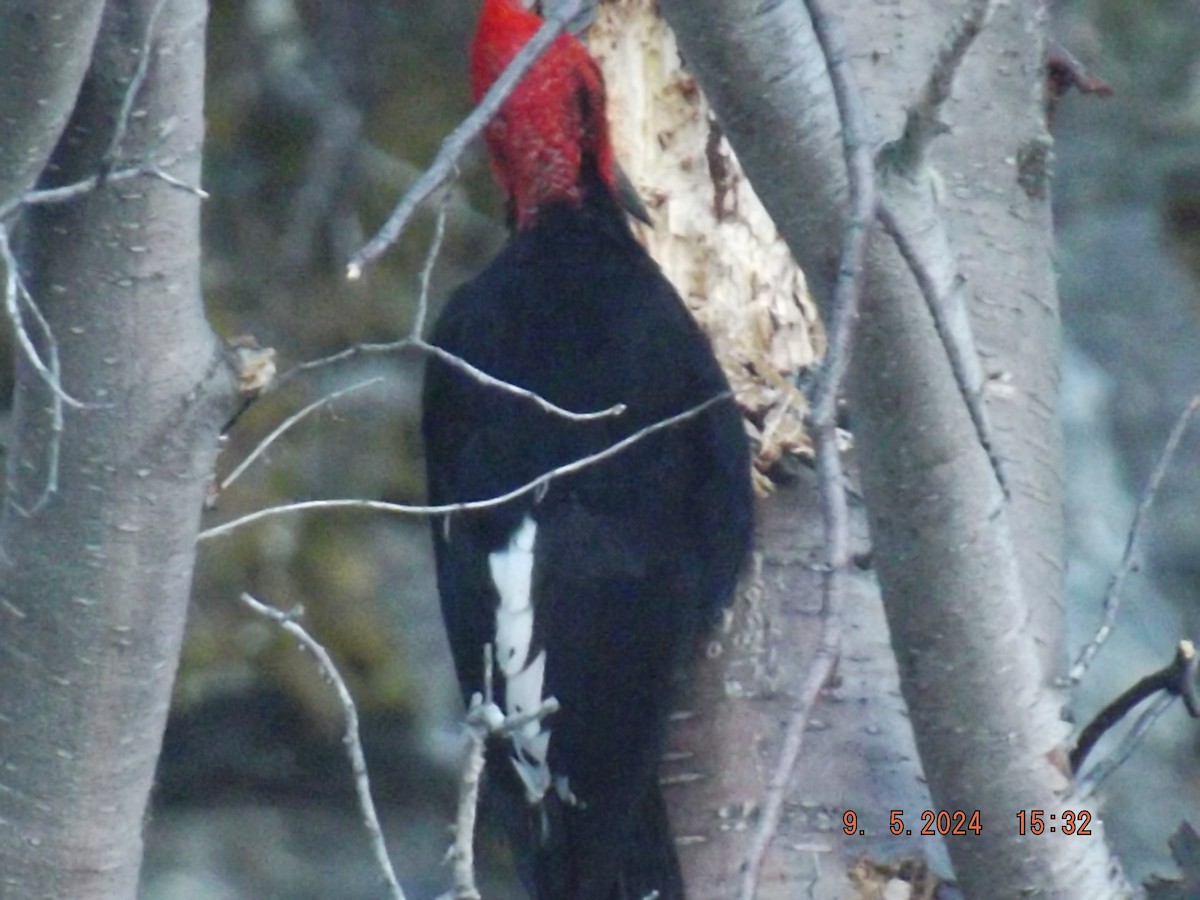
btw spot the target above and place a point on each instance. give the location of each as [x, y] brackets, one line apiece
[362, 782]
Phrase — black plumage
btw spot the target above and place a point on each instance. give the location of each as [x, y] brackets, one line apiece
[634, 556]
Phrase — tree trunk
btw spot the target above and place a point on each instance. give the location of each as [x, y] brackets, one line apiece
[972, 585]
[95, 570]
[716, 243]
[45, 47]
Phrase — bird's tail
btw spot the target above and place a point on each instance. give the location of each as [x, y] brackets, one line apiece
[558, 860]
[650, 868]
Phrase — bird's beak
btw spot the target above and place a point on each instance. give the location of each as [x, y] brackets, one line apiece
[627, 196]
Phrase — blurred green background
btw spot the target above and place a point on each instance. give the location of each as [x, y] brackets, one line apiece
[320, 114]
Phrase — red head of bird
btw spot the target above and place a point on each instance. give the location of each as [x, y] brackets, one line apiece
[553, 125]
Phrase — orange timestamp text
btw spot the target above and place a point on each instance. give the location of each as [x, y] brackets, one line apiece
[947, 823]
[1067, 821]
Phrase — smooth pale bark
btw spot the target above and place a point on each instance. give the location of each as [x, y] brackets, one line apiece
[45, 46]
[972, 586]
[94, 584]
[715, 242]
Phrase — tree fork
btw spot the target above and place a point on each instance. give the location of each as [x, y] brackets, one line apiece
[94, 584]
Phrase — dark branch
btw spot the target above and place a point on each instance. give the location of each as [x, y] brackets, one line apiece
[1178, 679]
[1064, 72]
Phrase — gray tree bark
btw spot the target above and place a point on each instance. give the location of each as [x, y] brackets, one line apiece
[46, 47]
[94, 580]
[972, 585]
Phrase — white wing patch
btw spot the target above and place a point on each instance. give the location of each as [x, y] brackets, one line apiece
[512, 573]
[524, 678]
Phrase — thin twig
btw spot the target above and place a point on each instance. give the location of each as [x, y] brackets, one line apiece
[860, 170]
[431, 257]
[923, 124]
[47, 196]
[458, 140]
[362, 783]
[1063, 72]
[68, 192]
[50, 371]
[484, 718]
[450, 359]
[288, 423]
[153, 171]
[462, 851]
[135, 85]
[820, 671]
[76, 189]
[447, 508]
[1112, 597]
[16, 294]
[491, 381]
[960, 365]
[54, 448]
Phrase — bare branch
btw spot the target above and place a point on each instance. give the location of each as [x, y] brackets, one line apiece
[462, 851]
[135, 85]
[1112, 597]
[967, 374]
[16, 294]
[154, 171]
[68, 192]
[906, 156]
[458, 140]
[431, 257]
[62, 194]
[923, 124]
[447, 508]
[491, 381]
[484, 718]
[820, 670]
[362, 784]
[450, 359]
[288, 423]
[1064, 71]
[54, 444]
[860, 166]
